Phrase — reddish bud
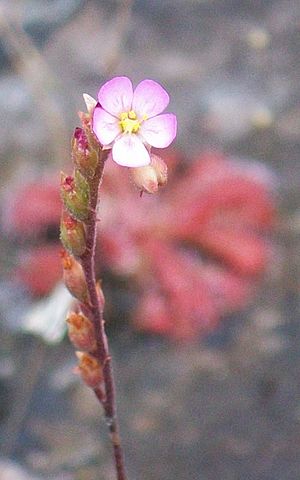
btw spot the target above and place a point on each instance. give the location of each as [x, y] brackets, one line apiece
[150, 177]
[81, 331]
[89, 369]
[74, 278]
[72, 235]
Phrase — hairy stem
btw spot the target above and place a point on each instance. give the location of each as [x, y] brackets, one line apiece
[87, 260]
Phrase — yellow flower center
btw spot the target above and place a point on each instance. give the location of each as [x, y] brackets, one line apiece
[129, 122]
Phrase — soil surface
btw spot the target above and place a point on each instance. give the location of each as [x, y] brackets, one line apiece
[228, 406]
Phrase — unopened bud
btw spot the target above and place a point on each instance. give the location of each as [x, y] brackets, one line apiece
[72, 235]
[145, 179]
[150, 177]
[81, 331]
[74, 278]
[83, 155]
[160, 169]
[75, 195]
[90, 369]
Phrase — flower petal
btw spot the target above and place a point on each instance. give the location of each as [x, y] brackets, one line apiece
[115, 96]
[129, 151]
[149, 98]
[159, 131]
[105, 126]
[90, 102]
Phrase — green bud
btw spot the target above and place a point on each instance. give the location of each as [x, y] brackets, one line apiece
[83, 155]
[72, 235]
[75, 195]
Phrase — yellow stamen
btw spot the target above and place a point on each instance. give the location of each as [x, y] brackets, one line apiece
[132, 115]
[123, 116]
[129, 122]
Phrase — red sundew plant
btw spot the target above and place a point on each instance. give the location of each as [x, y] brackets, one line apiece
[226, 199]
[197, 252]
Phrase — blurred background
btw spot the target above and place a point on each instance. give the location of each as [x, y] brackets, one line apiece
[201, 281]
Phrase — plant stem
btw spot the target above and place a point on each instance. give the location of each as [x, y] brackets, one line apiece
[87, 261]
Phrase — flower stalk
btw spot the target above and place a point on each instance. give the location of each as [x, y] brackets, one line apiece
[102, 352]
[80, 199]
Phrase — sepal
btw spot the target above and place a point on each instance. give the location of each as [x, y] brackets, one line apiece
[89, 369]
[81, 331]
[74, 278]
[83, 155]
[72, 235]
[75, 195]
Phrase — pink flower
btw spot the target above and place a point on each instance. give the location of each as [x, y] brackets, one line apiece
[129, 121]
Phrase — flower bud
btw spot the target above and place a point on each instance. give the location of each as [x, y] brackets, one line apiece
[81, 331]
[89, 369]
[84, 157]
[160, 169]
[150, 177]
[75, 195]
[72, 235]
[145, 178]
[74, 278]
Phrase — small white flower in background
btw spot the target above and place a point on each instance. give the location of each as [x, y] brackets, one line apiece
[47, 318]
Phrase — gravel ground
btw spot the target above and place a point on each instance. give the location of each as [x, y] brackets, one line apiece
[227, 406]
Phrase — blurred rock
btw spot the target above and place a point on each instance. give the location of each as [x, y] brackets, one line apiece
[40, 18]
[231, 112]
[22, 128]
[12, 471]
[258, 38]
[288, 125]
[65, 446]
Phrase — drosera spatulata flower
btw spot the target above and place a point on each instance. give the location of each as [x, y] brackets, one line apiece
[130, 121]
